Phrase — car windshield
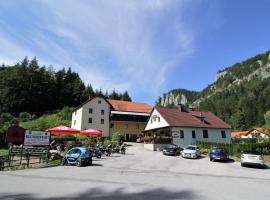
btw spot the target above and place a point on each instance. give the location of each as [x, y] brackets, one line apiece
[170, 146]
[191, 148]
[252, 152]
[218, 151]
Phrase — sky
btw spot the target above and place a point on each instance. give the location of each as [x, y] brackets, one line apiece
[146, 47]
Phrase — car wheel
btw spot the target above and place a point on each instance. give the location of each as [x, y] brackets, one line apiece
[79, 163]
[211, 159]
[89, 162]
[242, 165]
[64, 162]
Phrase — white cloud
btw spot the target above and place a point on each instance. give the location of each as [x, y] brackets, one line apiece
[112, 44]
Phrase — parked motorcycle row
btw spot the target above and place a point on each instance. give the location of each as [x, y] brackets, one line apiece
[107, 151]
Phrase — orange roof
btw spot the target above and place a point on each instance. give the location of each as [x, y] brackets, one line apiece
[238, 133]
[128, 106]
[262, 130]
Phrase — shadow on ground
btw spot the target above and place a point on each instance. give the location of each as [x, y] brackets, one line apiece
[97, 194]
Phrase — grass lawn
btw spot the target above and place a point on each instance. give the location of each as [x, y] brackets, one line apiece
[3, 150]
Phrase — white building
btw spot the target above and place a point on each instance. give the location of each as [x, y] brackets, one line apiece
[111, 116]
[94, 113]
[186, 127]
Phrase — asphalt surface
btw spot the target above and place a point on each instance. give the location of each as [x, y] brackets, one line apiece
[140, 174]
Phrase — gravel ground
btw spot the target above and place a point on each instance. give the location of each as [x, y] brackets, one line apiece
[140, 174]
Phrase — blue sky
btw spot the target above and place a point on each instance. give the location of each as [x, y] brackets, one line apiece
[145, 46]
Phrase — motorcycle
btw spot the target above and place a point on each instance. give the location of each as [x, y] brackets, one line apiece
[97, 153]
[123, 149]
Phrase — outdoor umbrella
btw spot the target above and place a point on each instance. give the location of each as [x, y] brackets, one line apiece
[63, 130]
[91, 132]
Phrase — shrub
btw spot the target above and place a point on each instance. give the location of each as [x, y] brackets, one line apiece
[235, 149]
[117, 137]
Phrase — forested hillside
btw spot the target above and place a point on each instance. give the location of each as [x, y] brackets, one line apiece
[29, 87]
[240, 95]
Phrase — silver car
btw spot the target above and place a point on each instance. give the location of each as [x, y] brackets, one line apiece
[252, 158]
[191, 151]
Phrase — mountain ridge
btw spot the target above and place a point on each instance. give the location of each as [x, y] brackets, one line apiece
[233, 85]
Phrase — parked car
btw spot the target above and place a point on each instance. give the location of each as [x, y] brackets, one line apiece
[191, 151]
[218, 154]
[171, 150]
[252, 158]
[78, 156]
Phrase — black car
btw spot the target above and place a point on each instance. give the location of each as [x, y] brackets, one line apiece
[171, 150]
[218, 154]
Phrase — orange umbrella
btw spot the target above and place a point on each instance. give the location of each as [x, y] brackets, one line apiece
[63, 130]
[91, 132]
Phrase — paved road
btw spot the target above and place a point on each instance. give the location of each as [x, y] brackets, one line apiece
[141, 174]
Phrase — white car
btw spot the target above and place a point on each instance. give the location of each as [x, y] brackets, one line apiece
[252, 158]
[191, 151]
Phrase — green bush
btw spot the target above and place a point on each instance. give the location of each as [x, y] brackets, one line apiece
[235, 149]
[117, 137]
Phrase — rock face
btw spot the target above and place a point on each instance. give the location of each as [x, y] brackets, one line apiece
[171, 99]
[178, 96]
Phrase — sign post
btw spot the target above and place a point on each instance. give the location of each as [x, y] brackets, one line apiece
[36, 138]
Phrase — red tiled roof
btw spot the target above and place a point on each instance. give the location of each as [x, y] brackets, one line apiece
[176, 117]
[127, 106]
[236, 134]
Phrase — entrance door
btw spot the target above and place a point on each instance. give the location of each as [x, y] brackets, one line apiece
[127, 137]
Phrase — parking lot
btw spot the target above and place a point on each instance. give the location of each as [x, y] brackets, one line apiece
[140, 174]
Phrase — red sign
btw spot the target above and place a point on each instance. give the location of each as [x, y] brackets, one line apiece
[15, 135]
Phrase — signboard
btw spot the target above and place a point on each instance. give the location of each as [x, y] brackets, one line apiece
[15, 135]
[36, 138]
[175, 134]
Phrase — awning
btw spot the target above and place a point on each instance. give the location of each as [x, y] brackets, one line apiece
[63, 130]
[91, 132]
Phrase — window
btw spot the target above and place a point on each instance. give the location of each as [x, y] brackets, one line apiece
[223, 134]
[74, 122]
[181, 134]
[137, 126]
[102, 112]
[76, 112]
[90, 110]
[112, 125]
[102, 121]
[99, 101]
[205, 133]
[90, 120]
[125, 126]
[158, 119]
[193, 134]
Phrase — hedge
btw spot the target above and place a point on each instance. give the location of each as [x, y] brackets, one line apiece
[235, 149]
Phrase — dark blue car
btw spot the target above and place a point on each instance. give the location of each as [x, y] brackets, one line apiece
[79, 156]
[218, 154]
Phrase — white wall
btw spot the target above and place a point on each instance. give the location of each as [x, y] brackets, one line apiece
[214, 135]
[77, 115]
[155, 124]
[83, 116]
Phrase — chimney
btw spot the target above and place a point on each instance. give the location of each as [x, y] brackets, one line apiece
[181, 107]
[202, 117]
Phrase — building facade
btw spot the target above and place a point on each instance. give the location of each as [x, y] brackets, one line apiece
[186, 127]
[127, 118]
[94, 113]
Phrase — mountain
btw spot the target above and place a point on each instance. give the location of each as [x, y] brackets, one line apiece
[240, 94]
[177, 96]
